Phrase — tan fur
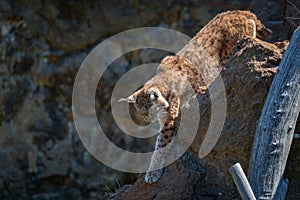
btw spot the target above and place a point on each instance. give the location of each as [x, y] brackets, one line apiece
[220, 35]
[188, 73]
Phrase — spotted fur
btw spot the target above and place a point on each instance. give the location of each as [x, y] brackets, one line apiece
[181, 77]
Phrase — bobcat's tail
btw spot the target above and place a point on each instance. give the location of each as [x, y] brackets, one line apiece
[261, 30]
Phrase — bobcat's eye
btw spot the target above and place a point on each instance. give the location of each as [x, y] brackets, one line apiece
[153, 95]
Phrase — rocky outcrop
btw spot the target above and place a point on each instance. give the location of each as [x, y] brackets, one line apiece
[247, 77]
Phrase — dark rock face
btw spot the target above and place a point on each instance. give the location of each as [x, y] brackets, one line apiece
[181, 186]
[282, 17]
[42, 45]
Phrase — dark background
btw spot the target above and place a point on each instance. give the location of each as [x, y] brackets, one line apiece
[42, 45]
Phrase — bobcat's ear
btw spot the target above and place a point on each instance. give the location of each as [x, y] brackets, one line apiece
[131, 98]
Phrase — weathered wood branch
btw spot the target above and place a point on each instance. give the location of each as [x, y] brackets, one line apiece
[241, 182]
[276, 125]
[282, 189]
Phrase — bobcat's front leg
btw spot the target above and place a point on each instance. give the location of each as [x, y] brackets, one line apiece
[161, 149]
[168, 131]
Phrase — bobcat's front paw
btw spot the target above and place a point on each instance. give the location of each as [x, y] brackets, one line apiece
[153, 176]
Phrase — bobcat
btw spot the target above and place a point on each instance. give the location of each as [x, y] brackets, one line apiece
[188, 73]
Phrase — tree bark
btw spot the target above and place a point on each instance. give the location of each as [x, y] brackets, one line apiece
[276, 126]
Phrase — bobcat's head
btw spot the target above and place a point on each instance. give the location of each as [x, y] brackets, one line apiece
[149, 102]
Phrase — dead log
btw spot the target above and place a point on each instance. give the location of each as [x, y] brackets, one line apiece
[276, 126]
